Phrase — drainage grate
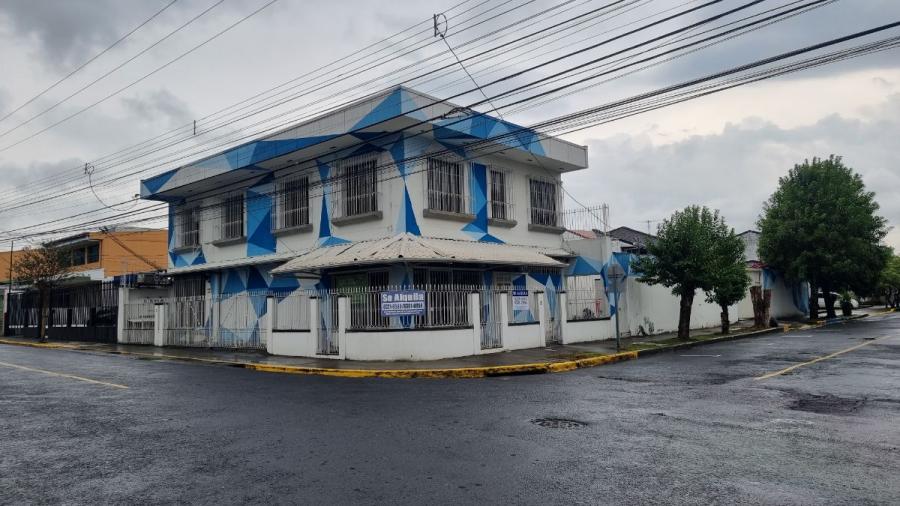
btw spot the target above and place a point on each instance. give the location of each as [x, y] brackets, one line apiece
[558, 423]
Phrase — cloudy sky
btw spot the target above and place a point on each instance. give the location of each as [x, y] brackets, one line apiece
[726, 150]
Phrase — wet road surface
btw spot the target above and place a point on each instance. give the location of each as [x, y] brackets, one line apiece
[755, 421]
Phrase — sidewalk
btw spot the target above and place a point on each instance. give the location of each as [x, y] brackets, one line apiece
[554, 358]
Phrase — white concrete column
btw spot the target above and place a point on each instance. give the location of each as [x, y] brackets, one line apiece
[343, 320]
[475, 320]
[542, 316]
[120, 320]
[563, 301]
[159, 324]
[271, 307]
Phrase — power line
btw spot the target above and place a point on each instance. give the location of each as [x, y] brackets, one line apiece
[520, 38]
[880, 45]
[88, 62]
[120, 90]
[114, 69]
[532, 83]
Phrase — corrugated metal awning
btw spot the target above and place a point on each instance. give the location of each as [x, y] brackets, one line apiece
[411, 248]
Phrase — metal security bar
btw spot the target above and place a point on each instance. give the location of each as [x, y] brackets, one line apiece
[292, 311]
[586, 298]
[186, 322]
[139, 323]
[545, 202]
[292, 203]
[500, 206]
[552, 316]
[491, 326]
[446, 306]
[187, 228]
[239, 320]
[446, 186]
[328, 343]
[355, 187]
[231, 217]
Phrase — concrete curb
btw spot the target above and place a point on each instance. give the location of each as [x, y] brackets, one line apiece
[691, 344]
[461, 372]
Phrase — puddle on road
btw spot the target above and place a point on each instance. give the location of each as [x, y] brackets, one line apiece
[827, 404]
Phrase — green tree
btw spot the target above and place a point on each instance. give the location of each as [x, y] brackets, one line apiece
[42, 268]
[821, 226]
[682, 258]
[890, 281]
[729, 280]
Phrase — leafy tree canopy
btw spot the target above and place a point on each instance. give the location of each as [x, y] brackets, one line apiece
[821, 226]
[684, 251]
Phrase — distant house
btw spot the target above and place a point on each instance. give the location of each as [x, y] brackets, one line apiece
[99, 255]
[632, 241]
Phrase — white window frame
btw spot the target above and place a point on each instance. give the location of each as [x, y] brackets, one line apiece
[232, 227]
[291, 202]
[187, 214]
[445, 191]
[545, 208]
[500, 209]
[355, 188]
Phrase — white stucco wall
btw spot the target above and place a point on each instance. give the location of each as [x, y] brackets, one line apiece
[409, 344]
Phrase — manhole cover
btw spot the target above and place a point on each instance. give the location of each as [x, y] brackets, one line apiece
[558, 423]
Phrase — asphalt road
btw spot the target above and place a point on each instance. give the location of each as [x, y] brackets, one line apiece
[696, 427]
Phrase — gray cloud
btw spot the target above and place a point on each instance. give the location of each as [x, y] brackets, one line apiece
[66, 32]
[158, 105]
[736, 170]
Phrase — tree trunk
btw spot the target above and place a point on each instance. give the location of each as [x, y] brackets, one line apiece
[829, 301]
[726, 322]
[761, 300]
[684, 316]
[813, 301]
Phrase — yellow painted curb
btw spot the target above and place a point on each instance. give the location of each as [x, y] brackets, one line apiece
[461, 372]
[38, 345]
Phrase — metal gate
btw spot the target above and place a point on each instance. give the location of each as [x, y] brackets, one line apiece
[186, 322]
[328, 321]
[491, 327]
[553, 317]
[79, 313]
[138, 323]
[239, 318]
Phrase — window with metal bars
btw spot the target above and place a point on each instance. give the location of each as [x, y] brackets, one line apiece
[446, 186]
[356, 187]
[187, 228]
[292, 203]
[544, 203]
[232, 226]
[499, 195]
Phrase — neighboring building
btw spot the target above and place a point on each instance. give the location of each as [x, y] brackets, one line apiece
[377, 194]
[631, 240]
[788, 299]
[100, 255]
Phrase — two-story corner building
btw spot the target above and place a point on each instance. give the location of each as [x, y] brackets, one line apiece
[397, 191]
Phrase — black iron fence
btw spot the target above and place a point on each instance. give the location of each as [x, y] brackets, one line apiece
[79, 313]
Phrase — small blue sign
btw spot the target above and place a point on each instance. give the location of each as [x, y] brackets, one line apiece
[403, 303]
[520, 300]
